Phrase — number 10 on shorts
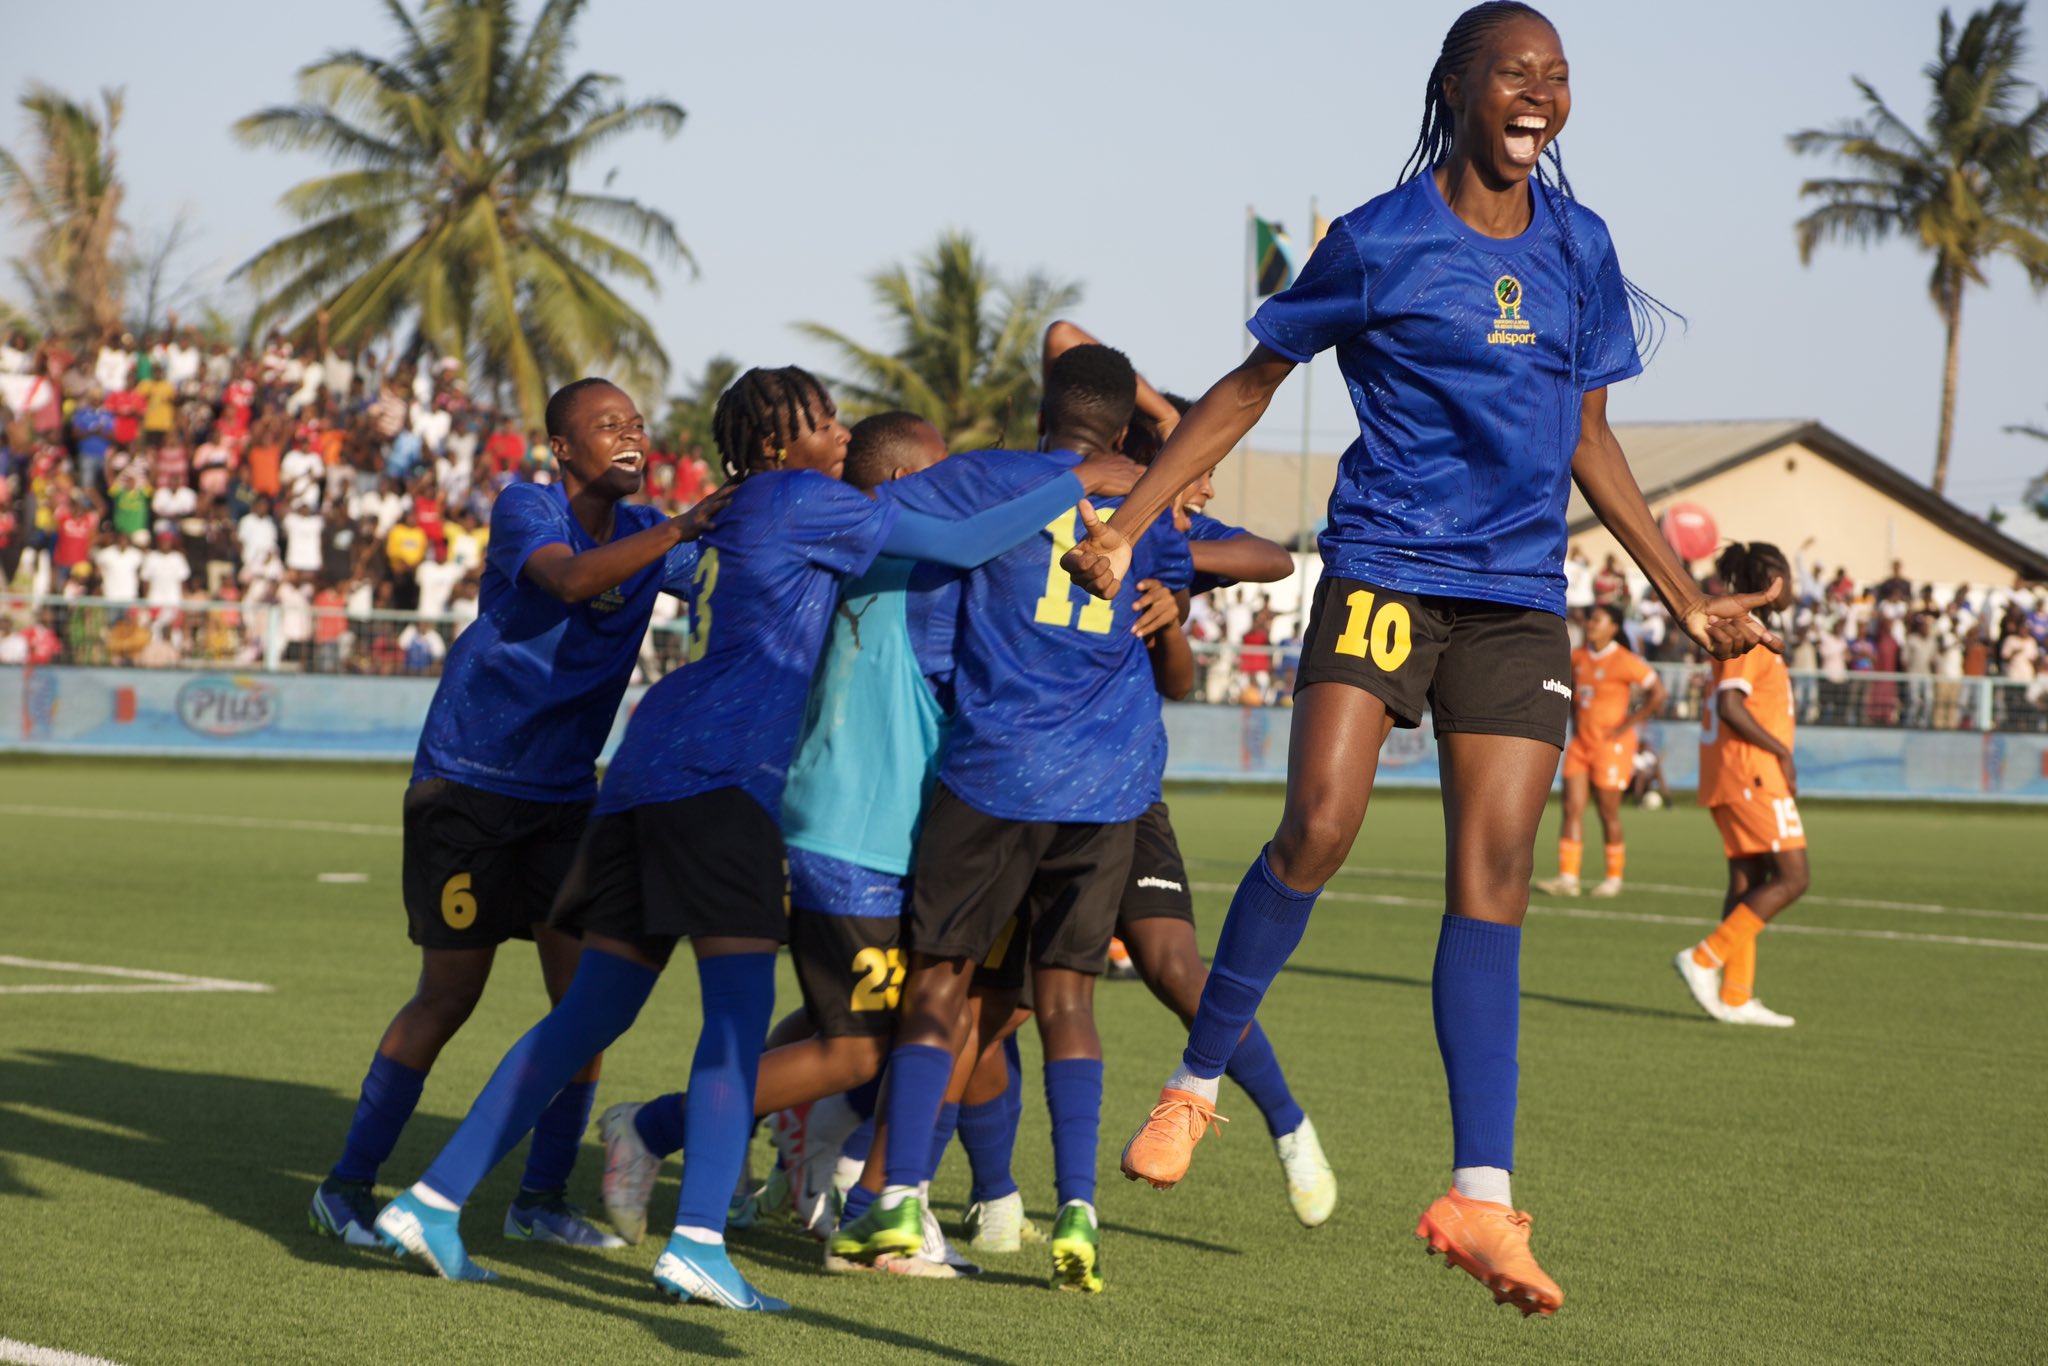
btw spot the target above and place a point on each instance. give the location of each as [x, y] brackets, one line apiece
[1386, 636]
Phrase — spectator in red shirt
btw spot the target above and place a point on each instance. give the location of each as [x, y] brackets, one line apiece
[127, 406]
[76, 525]
[1609, 584]
[506, 447]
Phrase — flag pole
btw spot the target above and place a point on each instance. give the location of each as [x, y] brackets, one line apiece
[1308, 375]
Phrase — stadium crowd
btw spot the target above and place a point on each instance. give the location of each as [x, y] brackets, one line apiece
[352, 494]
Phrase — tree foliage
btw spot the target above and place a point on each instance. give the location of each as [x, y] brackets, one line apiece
[964, 354]
[452, 208]
[67, 193]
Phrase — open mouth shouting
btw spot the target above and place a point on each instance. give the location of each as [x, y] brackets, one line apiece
[1526, 136]
[630, 460]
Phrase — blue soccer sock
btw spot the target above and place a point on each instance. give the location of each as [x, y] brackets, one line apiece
[864, 1097]
[391, 1091]
[1073, 1095]
[1254, 1068]
[557, 1134]
[739, 1005]
[1013, 1094]
[600, 1005]
[942, 1137]
[1266, 921]
[858, 1200]
[1475, 993]
[918, 1074]
[860, 1142]
[660, 1124]
[989, 1134]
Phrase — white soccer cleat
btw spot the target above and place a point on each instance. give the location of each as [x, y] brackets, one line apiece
[1558, 886]
[1606, 886]
[1755, 1012]
[1000, 1226]
[1704, 983]
[1311, 1185]
[629, 1171]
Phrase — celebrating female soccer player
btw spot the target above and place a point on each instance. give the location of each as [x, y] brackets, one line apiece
[1748, 780]
[1606, 677]
[1479, 314]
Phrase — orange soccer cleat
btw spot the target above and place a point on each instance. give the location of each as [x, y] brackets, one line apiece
[1490, 1243]
[1161, 1149]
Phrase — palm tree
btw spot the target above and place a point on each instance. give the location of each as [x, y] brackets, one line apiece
[686, 427]
[965, 355]
[454, 209]
[1970, 186]
[69, 197]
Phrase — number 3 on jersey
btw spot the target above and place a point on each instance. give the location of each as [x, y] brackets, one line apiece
[706, 584]
[1056, 608]
[1386, 636]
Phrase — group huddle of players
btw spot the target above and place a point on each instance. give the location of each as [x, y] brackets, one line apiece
[922, 700]
[863, 704]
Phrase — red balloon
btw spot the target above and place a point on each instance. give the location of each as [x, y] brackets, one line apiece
[1690, 530]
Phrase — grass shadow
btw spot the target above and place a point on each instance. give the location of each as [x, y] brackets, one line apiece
[1570, 1002]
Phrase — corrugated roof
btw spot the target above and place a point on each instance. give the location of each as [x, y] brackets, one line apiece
[1668, 455]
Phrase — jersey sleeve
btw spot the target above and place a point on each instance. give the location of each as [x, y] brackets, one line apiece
[679, 569]
[1739, 674]
[1202, 527]
[523, 520]
[1325, 305]
[974, 481]
[1645, 673]
[833, 525]
[1607, 336]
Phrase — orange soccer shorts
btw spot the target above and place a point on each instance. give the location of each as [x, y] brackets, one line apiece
[1609, 764]
[1761, 823]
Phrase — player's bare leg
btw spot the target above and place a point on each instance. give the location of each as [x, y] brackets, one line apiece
[1494, 794]
[1607, 801]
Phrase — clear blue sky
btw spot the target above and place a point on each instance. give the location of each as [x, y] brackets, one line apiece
[1118, 145]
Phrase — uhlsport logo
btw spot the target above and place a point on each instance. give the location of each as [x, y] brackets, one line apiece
[221, 705]
[1559, 687]
[1510, 328]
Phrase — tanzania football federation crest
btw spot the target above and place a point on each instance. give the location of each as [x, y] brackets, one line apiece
[611, 600]
[1510, 328]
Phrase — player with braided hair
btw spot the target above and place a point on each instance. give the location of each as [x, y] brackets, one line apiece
[1747, 779]
[1479, 314]
[684, 841]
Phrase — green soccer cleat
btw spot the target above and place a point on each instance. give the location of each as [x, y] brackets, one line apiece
[1077, 1249]
[881, 1232]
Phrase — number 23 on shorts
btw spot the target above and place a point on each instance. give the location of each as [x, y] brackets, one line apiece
[1386, 637]
[880, 979]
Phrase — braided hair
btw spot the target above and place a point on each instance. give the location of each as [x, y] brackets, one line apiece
[1463, 43]
[766, 408]
[1750, 568]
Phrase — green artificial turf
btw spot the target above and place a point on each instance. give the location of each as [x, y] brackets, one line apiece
[1866, 1187]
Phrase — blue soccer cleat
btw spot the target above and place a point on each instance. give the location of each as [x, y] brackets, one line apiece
[551, 1218]
[702, 1272]
[345, 1210]
[409, 1225]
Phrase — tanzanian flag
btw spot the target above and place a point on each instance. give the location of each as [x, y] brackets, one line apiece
[1272, 257]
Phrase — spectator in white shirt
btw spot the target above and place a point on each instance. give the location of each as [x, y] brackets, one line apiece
[257, 532]
[301, 472]
[120, 567]
[437, 585]
[165, 572]
[302, 530]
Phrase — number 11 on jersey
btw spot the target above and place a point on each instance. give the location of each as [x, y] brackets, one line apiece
[1056, 608]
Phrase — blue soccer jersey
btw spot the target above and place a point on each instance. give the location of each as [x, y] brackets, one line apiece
[529, 691]
[1466, 357]
[1202, 527]
[1048, 678]
[766, 587]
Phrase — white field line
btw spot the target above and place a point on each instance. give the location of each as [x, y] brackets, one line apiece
[1716, 893]
[28, 1354]
[147, 979]
[1646, 918]
[201, 818]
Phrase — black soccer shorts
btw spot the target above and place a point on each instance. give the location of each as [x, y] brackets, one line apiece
[1158, 884]
[480, 868]
[1484, 668]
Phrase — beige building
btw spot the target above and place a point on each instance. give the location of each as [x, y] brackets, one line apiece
[1787, 482]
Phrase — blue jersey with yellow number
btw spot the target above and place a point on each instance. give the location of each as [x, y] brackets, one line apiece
[529, 691]
[1467, 357]
[1049, 680]
[766, 586]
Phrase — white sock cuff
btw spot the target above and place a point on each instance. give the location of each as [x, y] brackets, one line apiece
[1206, 1087]
[432, 1198]
[1483, 1183]
[710, 1237]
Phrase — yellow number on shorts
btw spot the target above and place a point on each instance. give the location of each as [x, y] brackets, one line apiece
[458, 907]
[1002, 945]
[700, 602]
[1387, 636]
[881, 979]
[1056, 608]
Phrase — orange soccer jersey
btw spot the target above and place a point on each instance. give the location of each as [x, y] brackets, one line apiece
[1734, 772]
[1602, 685]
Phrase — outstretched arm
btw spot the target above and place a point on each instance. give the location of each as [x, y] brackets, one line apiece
[1722, 626]
[573, 576]
[1217, 422]
[1242, 559]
